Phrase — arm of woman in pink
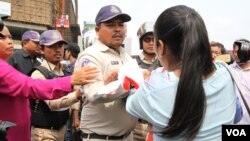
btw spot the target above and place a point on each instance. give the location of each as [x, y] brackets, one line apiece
[13, 83]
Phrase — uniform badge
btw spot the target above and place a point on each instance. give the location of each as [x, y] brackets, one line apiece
[85, 62]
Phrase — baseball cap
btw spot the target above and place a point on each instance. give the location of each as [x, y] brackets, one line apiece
[109, 12]
[73, 48]
[51, 37]
[31, 35]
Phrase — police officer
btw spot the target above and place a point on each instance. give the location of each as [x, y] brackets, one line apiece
[104, 117]
[49, 117]
[146, 42]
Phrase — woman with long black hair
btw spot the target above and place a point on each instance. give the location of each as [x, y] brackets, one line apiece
[191, 97]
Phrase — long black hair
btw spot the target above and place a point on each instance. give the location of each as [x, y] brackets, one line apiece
[1, 24]
[184, 33]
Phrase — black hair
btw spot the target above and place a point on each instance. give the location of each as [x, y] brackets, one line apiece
[73, 48]
[1, 25]
[1, 22]
[183, 32]
[220, 45]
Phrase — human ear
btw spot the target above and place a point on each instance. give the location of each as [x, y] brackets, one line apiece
[161, 48]
[25, 42]
[97, 28]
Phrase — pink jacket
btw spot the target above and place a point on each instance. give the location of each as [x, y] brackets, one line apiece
[15, 91]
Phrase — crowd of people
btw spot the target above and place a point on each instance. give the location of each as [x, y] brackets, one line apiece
[188, 92]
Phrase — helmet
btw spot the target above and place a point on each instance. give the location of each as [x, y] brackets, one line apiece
[89, 38]
[146, 27]
[244, 50]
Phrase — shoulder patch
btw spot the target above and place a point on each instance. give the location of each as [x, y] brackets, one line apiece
[85, 62]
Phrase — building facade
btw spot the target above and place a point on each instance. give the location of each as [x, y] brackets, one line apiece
[41, 15]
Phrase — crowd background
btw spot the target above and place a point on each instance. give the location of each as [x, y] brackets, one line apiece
[111, 30]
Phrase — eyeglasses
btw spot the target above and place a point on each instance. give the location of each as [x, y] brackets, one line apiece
[147, 39]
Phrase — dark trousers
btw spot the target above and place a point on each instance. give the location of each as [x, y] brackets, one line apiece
[68, 133]
[4, 126]
[3, 136]
[71, 134]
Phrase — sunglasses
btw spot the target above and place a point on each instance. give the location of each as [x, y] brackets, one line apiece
[147, 39]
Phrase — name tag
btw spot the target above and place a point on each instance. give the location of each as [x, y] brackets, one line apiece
[114, 62]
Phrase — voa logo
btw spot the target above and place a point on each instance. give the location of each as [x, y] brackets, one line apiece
[236, 132]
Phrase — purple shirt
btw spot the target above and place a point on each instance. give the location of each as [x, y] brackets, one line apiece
[242, 78]
[15, 91]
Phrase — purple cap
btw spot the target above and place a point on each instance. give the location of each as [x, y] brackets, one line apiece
[51, 37]
[31, 35]
[109, 12]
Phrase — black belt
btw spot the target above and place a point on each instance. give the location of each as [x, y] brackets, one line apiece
[48, 127]
[96, 136]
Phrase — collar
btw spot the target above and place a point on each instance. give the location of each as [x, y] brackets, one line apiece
[49, 65]
[102, 47]
[24, 53]
[142, 57]
[237, 66]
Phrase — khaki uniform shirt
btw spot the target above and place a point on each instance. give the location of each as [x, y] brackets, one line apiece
[104, 115]
[62, 103]
[142, 57]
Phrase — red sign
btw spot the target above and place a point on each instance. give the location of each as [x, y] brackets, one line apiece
[62, 23]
